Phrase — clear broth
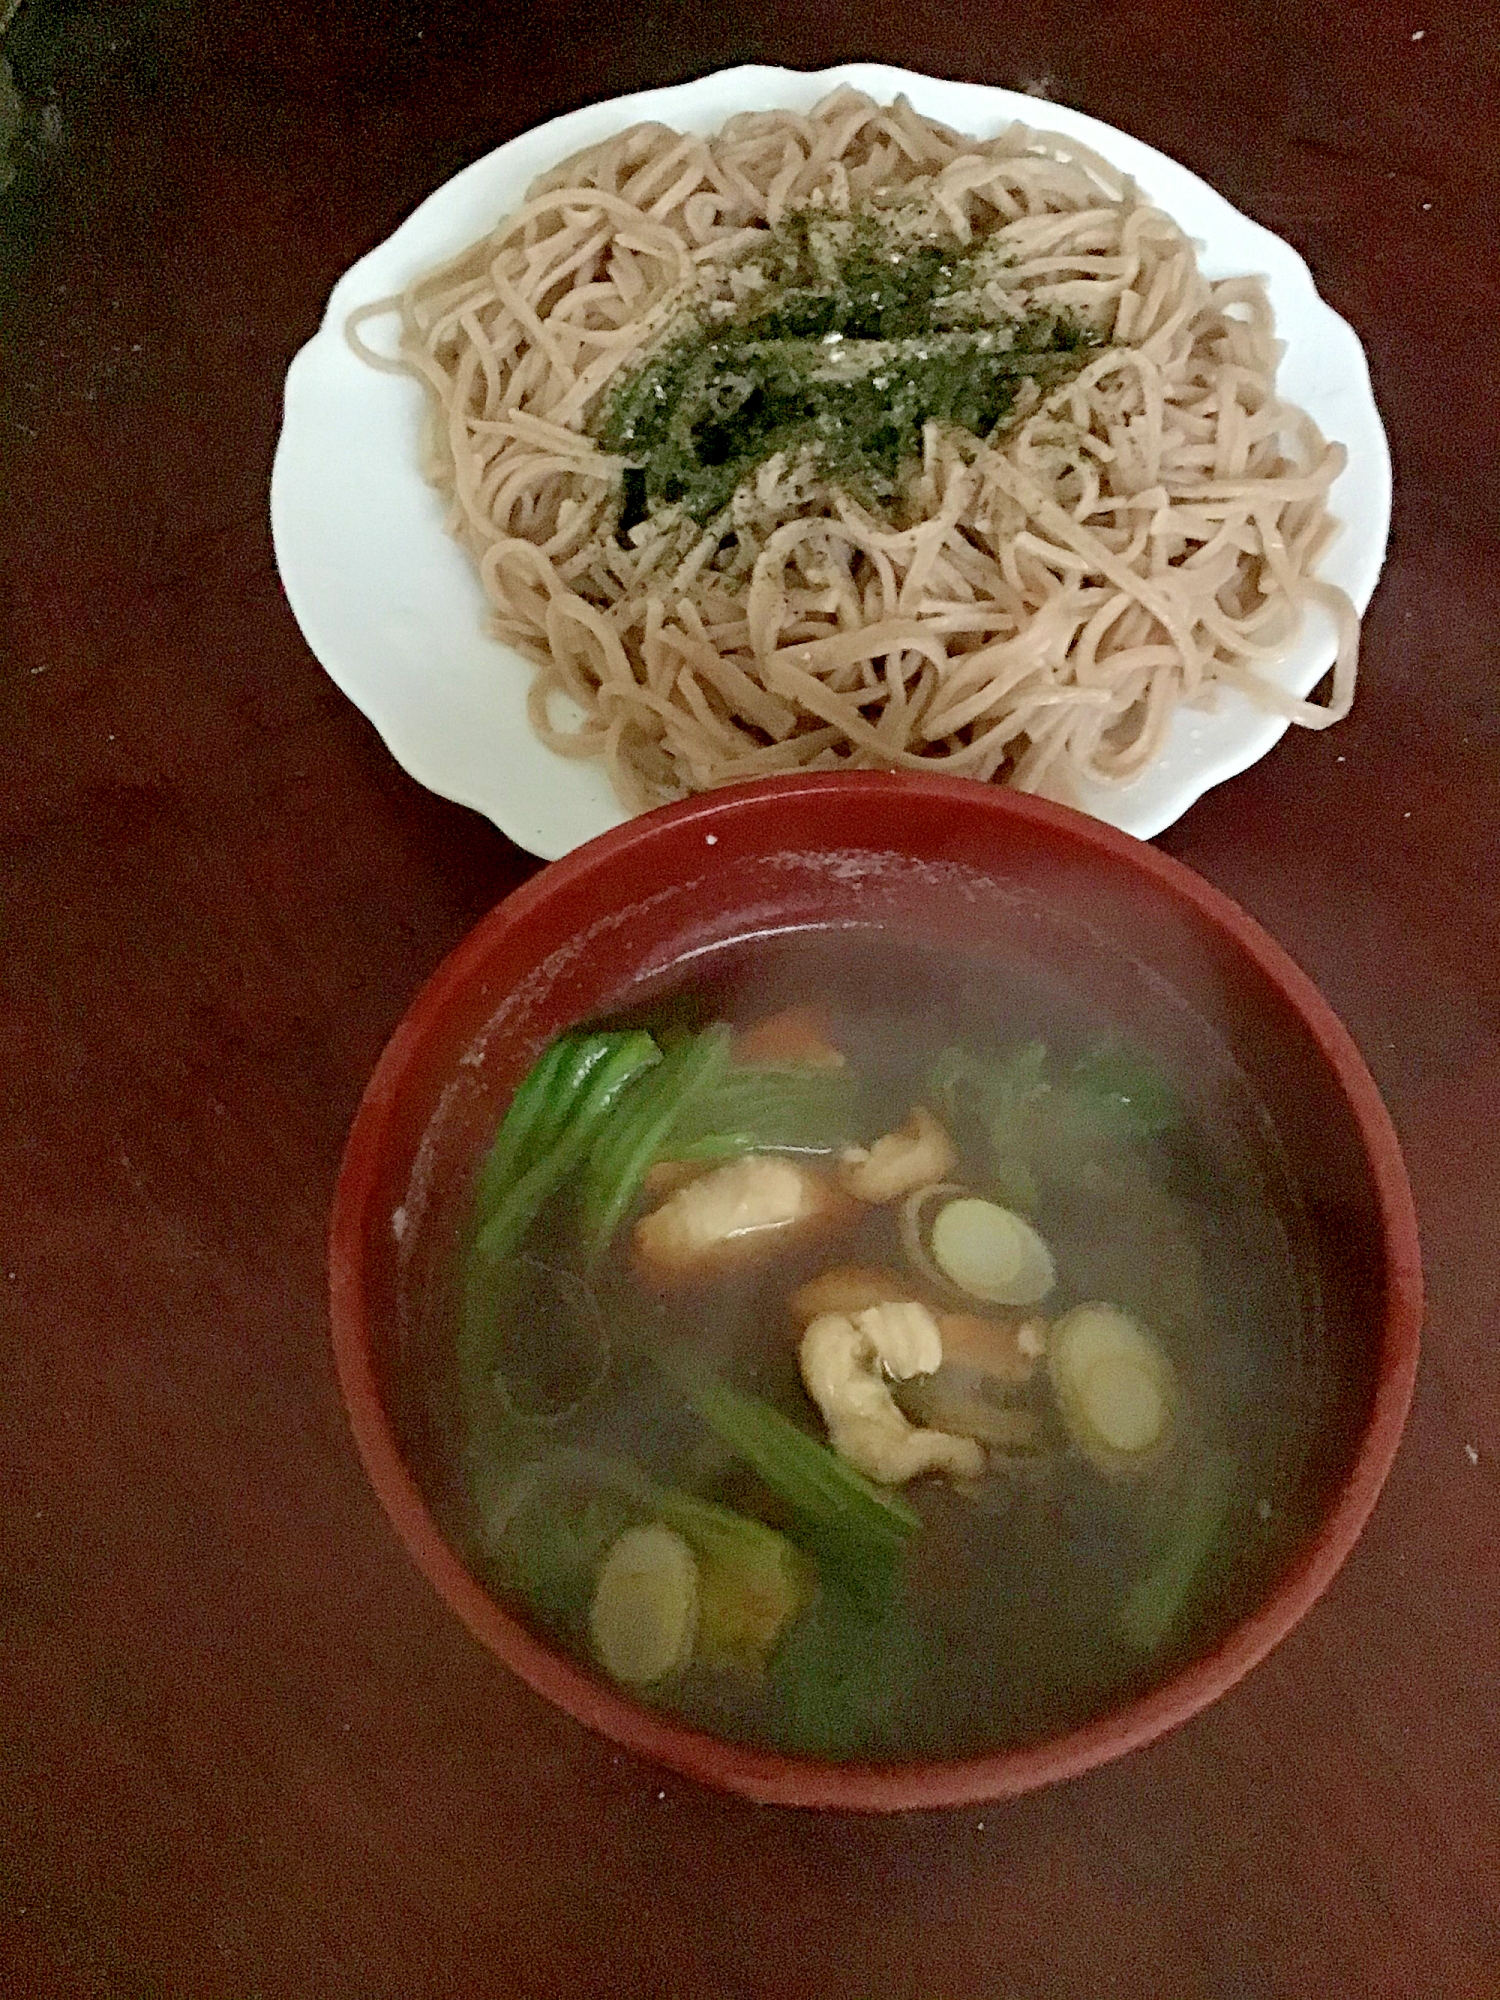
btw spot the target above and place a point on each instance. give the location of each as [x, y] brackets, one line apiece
[1007, 1629]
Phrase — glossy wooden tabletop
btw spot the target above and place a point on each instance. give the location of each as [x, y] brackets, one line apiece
[246, 1751]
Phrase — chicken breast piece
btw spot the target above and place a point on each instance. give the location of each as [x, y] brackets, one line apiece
[735, 1213]
[848, 1361]
[1006, 1349]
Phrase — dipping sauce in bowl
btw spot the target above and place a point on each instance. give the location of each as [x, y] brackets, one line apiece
[873, 1291]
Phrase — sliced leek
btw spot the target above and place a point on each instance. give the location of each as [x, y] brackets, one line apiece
[991, 1253]
[644, 1617]
[1117, 1392]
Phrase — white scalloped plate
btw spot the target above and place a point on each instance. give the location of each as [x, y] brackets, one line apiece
[393, 610]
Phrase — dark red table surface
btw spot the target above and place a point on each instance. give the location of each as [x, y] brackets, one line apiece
[244, 1750]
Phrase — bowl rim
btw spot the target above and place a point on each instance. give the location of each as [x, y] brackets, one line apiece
[773, 1777]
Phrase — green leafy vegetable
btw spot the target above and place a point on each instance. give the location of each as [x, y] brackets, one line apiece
[1124, 1091]
[998, 1095]
[855, 1529]
[552, 1121]
[559, 1519]
[991, 1088]
[612, 1103]
[844, 1673]
[536, 1116]
[555, 1526]
[556, 1113]
[804, 1472]
[996, 1092]
[752, 1581]
[1043, 1121]
[700, 1105]
[619, 1159]
[766, 1108]
[1155, 1604]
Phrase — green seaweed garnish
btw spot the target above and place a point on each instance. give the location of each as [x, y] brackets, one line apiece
[859, 337]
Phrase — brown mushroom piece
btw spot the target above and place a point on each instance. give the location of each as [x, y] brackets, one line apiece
[796, 1035]
[988, 1364]
[916, 1155]
[849, 1288]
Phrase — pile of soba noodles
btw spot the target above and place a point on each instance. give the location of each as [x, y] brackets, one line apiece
[1028, 603]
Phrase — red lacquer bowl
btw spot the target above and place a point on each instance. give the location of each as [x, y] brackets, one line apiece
[940, 860]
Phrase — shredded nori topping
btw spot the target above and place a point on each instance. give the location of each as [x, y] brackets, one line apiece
[859, 337]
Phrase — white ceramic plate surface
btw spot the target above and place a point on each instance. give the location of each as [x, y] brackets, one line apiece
[392, 608]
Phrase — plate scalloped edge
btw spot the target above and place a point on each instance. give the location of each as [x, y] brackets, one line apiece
[392, 609]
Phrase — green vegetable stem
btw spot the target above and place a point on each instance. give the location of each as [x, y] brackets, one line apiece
[619, 1159]
[1155, 1604]
[550, 1125]
[856, 1531]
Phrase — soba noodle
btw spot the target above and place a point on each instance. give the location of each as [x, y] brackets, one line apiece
[1034, 606]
